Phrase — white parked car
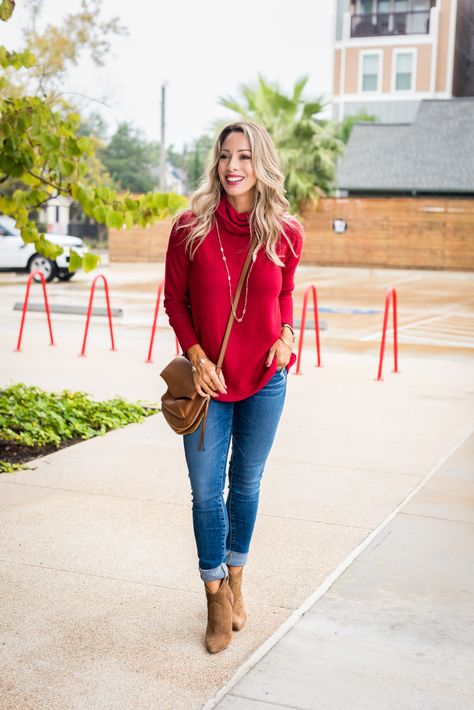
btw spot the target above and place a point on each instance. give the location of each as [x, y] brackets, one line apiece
[15, 255]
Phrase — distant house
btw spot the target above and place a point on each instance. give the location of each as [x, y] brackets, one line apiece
[405, 194]
[389, 55]
[433, 155]
[55, 214]
[175, 179]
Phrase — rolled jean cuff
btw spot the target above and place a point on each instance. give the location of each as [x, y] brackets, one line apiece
[210, 575]
[236, 559]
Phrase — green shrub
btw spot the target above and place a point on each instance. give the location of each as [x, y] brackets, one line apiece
[32, 417]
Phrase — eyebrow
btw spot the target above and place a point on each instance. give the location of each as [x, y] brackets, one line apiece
[242, 150]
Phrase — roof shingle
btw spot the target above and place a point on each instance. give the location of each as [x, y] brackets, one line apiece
[435, 153]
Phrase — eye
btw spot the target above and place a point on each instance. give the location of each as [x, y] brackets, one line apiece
[245, 157]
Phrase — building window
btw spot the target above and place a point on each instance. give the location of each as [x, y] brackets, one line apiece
[370, 72]
[404, 71]
[371, 18]
[365, 7]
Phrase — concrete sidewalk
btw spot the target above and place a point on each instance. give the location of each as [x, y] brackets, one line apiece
[101, 603]
[396, 629]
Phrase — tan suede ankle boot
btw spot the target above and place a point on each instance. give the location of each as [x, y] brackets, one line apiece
[219, 617]
[239, 615]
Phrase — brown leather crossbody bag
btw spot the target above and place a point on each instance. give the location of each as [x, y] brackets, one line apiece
[182, 407]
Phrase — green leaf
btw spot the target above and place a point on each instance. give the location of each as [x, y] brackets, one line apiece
[28, 59]
[114, 219]
[75, 261]
[84, 144]
[90, 262]
[66, 167]
[131, 204]
[73, 148]
[6, 9]
[175, 202]
[160, 200]
[29, 234]
[48, 249]
[84, 194]
[118, 219]
[104, 193]
[99, 213]
[50, 141]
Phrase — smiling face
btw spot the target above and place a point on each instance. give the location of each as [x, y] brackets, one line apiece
[235, 170]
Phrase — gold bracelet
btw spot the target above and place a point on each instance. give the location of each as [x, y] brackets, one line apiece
[290, 327]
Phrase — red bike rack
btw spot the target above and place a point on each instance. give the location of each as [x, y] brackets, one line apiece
[25, 307]
[310, 289]
[89, 310]
[155, 320]
[391, 296]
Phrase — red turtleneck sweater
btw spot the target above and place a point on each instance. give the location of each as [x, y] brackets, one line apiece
[197, 298]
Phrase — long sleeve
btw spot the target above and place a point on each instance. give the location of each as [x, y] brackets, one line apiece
[176, 297]
[288, 275]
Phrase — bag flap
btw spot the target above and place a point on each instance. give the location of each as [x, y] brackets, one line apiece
[178, 376]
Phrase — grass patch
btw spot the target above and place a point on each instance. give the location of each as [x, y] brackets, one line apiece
[34, 422]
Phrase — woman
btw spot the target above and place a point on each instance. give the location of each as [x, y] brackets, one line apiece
[240, 197]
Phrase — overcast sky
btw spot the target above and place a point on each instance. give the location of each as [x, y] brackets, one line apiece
[202, 50]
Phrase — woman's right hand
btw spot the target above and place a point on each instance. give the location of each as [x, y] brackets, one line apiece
[207, 380]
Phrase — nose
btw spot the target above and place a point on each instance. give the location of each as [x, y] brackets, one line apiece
[233, 163]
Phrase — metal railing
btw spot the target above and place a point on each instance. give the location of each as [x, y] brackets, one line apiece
[161, 286]
[89, 311]
[391, 297]
[34, 275]
[313, 291]
[390, 23]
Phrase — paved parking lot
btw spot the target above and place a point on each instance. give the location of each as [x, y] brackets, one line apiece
[435, 308]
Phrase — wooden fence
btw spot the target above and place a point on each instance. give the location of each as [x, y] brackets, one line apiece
[411, 232]
[398, 232]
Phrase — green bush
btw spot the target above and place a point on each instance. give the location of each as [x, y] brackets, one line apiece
[31, 417]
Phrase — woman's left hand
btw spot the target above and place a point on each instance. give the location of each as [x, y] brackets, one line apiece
[281, 351]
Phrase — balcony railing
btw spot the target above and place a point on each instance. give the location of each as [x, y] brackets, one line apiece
[390, 23]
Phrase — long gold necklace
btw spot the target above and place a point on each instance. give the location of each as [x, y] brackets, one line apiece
[229, 281]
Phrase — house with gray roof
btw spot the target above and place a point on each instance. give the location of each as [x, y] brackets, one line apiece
[433, 155]
[391, 54]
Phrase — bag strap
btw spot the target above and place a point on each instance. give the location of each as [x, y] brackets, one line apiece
[230, 323]
[235, 303]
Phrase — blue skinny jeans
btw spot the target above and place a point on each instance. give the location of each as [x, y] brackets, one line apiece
[223, 530]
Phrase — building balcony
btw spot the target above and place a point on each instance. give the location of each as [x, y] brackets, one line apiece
[390, 23]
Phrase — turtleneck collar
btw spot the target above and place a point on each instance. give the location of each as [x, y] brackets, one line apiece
[231, 220]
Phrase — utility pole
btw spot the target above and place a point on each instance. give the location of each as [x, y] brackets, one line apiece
[185, 170]
[163, 142]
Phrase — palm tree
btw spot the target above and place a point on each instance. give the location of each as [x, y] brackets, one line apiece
[307, 146]
[346, 126]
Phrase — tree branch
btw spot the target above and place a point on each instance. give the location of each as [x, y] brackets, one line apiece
[47, 182]
[40, 204]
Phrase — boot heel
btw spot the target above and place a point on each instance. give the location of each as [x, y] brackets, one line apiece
[239, 615]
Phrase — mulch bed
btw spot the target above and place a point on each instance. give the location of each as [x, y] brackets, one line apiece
[19, 453]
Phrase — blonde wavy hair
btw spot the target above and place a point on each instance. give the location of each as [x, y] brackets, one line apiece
[269, 213]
